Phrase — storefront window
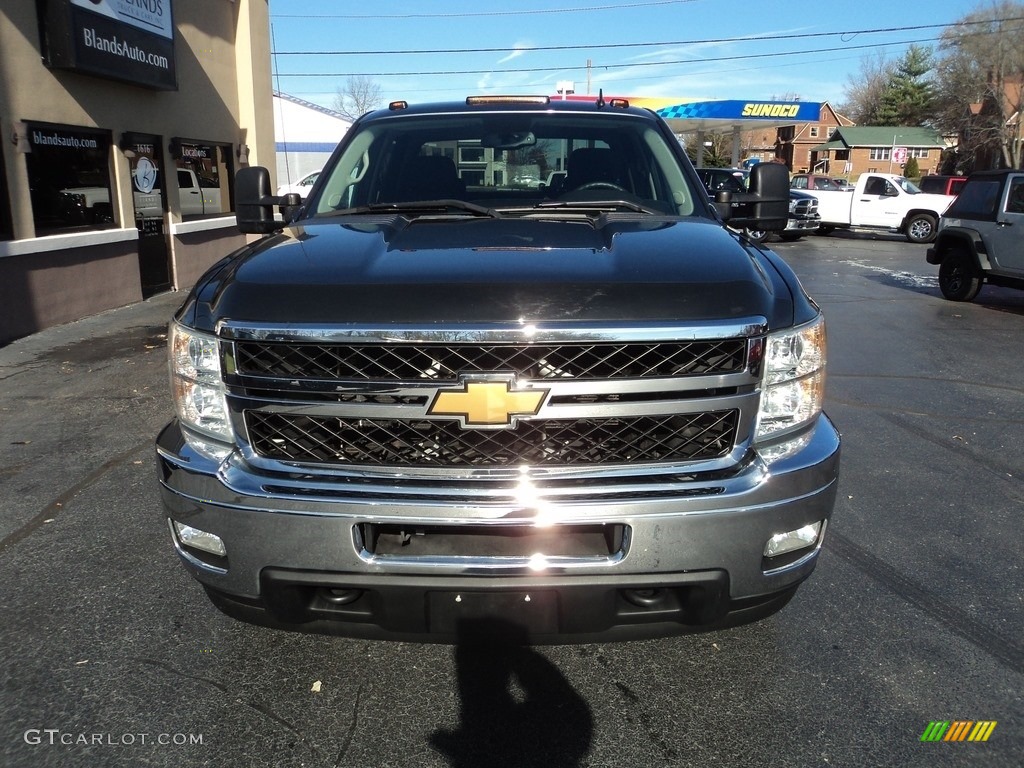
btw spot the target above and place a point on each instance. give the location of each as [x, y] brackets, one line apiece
[69, 178]
[205, 174]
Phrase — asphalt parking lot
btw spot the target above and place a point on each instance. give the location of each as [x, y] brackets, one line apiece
[112, 656]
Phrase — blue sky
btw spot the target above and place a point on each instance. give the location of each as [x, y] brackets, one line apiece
[690, 49]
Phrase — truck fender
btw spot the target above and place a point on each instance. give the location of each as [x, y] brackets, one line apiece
[960, 239]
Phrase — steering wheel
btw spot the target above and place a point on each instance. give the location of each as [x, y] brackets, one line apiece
[601, 185]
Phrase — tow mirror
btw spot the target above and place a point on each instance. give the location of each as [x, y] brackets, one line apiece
[255, 204]
[766, 205]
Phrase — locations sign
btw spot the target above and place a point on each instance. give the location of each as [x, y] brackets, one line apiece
[128, 40]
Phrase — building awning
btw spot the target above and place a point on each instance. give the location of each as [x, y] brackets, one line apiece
[828, 146]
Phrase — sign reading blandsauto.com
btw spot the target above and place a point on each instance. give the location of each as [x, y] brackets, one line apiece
[128, 40]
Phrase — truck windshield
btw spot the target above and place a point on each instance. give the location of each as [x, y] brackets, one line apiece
[508, 161]
[908, 186]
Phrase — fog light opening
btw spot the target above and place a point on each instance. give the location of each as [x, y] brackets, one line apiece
[340, 595]
[647, 597]
[204, 541]
[791, 541]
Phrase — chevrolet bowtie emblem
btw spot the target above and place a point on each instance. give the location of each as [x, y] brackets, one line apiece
[487, 403]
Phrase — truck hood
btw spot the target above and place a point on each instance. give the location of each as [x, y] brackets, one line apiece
[391, 270]
[932, 201]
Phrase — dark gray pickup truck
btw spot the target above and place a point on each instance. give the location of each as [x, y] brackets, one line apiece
[432, 404]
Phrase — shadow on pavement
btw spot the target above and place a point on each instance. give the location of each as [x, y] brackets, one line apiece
[861, 234]
[995, 298]
[517, 708]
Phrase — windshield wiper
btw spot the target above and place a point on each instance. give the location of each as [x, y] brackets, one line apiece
[424, 206]
[596, 205]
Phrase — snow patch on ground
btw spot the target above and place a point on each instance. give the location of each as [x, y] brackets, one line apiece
[907, 278]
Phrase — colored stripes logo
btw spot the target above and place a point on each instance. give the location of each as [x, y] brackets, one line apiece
[958, 730]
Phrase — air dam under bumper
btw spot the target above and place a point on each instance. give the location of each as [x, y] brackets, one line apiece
[687, 556]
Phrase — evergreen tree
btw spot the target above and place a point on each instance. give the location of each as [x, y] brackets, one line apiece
[908, 98]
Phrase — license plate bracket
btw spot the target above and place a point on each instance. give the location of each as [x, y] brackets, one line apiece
[455, 612]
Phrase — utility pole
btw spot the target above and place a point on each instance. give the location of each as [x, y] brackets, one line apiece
[588, 76]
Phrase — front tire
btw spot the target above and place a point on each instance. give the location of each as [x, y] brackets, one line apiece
[958, 277]
[921, 228]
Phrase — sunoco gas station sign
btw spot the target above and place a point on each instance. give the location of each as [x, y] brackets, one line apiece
[128, 40]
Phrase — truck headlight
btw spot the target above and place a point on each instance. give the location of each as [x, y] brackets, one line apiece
[793, 387]
[196, 384]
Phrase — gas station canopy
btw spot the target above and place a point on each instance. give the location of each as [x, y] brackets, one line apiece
[725, 116]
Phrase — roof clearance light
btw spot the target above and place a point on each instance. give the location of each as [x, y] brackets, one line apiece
[620, 103]
[476, 101]
[398, 105]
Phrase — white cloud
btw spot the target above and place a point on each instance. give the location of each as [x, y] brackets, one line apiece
[516, 53]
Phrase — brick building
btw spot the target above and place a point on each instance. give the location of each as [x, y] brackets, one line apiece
[794, 144]
[853, 150]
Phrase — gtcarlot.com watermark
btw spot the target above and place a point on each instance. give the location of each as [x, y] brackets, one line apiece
[56, 736]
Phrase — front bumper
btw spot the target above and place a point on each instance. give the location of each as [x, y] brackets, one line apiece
[683, 554]
[803, 224]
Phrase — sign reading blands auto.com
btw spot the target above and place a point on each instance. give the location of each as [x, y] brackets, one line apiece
[129, 40]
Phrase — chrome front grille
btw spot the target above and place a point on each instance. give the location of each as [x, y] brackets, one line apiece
[347, 398]
[543, 442]
[445, 362]
[805, 207]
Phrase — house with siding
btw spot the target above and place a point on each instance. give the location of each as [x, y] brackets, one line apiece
[793, 143]
[853, 150]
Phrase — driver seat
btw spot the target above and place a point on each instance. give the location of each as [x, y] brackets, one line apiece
[592, 164]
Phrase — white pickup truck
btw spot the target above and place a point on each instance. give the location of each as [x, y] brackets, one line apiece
[195, 197]
[91, 204]
[882, 201]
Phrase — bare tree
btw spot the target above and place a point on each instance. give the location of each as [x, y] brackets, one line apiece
[717, 150]
[360, 95]
[866, 90]
[981, 85]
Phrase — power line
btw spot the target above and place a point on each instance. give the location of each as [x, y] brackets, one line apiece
[438, 15]
[611, 46]
[702, 60]
[546, 83]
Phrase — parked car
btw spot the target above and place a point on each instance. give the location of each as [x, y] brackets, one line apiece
[803, 216]
[730, 179]
[810, 181]
[803, 208]
[979, 238]
[942, 185]
[300, 187]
